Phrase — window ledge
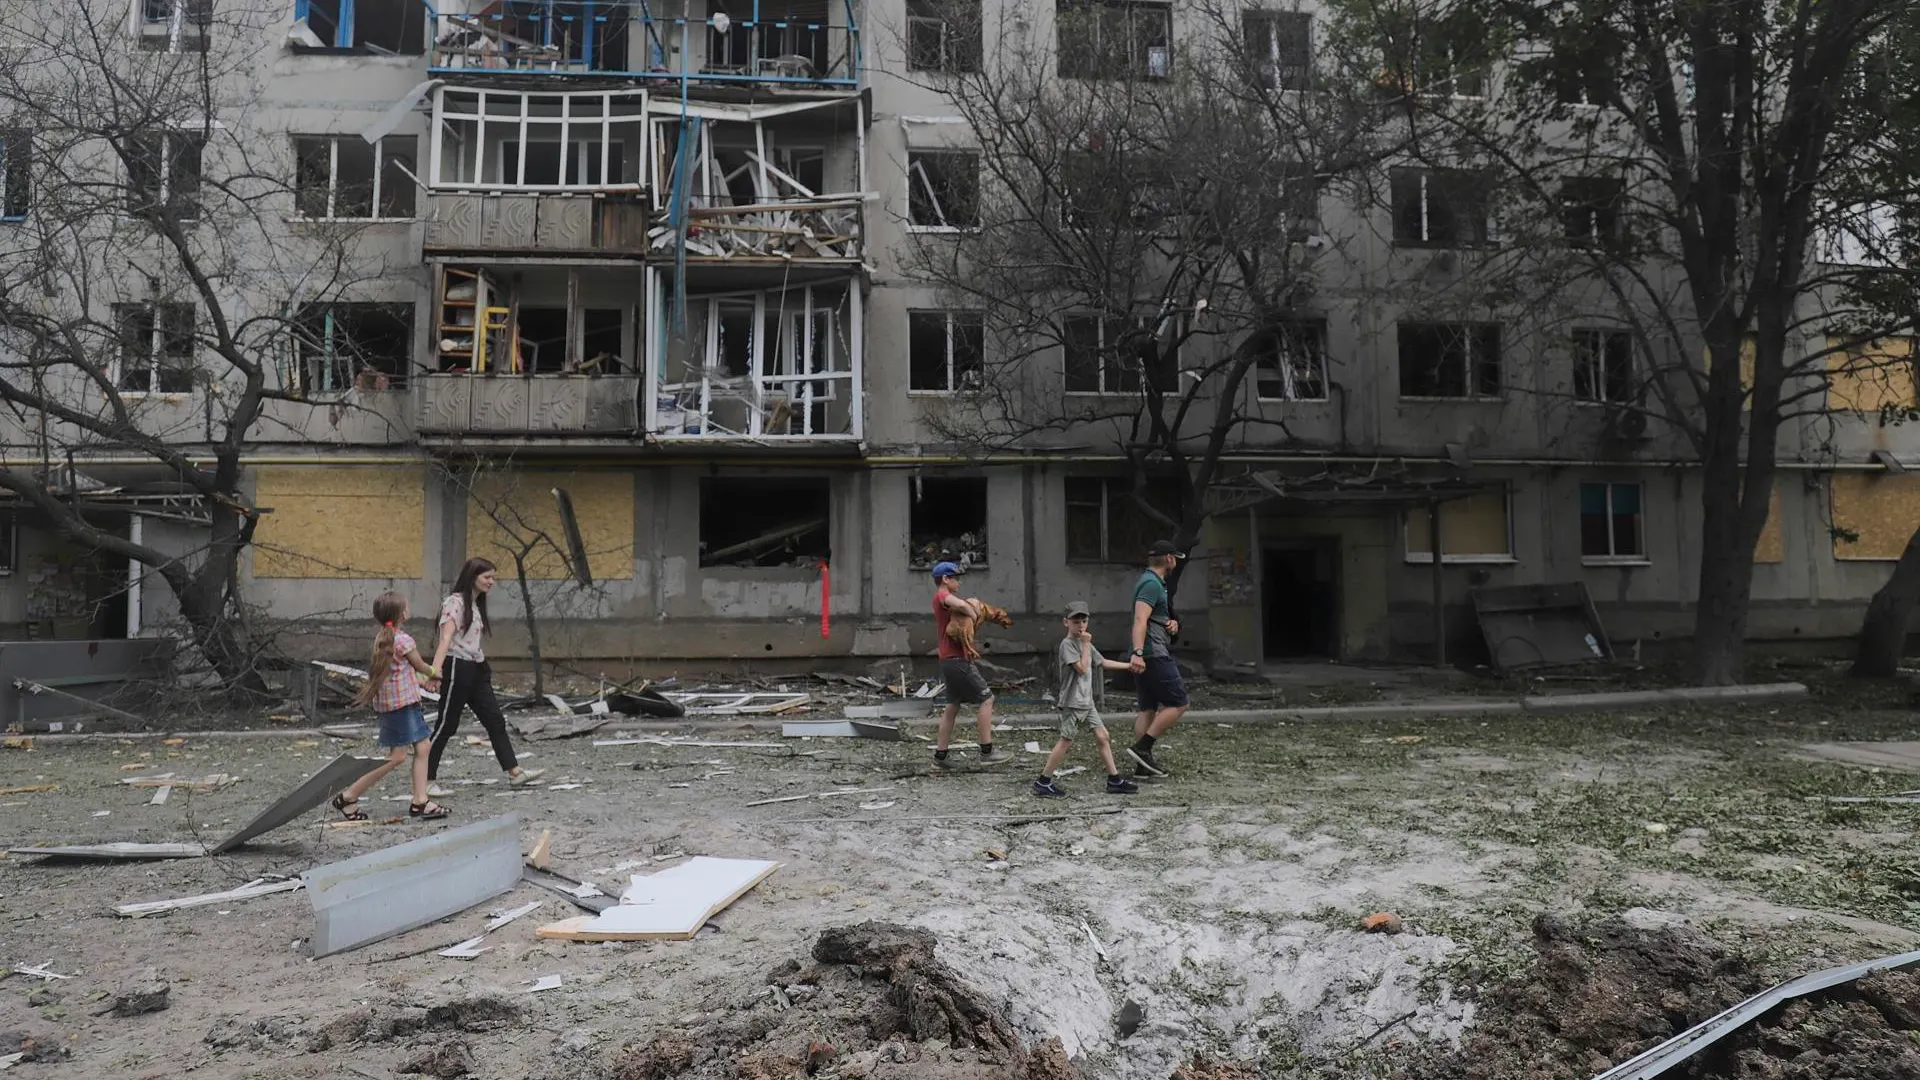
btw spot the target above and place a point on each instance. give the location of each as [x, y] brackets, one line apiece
[1484, 399]
[1446, 245]
[943, 230]
[939, 395]
[1292, 400]
[298, 220]
[13, 219]
[169, 396]
[1105, 393]
[1423, 559]
[1615, 560]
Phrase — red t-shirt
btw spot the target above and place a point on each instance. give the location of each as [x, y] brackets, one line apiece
[949, 648]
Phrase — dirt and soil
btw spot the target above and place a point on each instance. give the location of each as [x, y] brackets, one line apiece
[1226, 902]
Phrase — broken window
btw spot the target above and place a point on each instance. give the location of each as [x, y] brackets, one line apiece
[1449, 360]
[163, 172]
[1279, 48]
[764, 522]
[16, 174]
[943, 35]
[387, 27]
[588, 164]
[367, 346]
[943, 189]
[1440, 207]
[1108, 356]
[1300, 193]
[1292, 363]
[1115, 39]
[789, 40]
[1590, 209]
[603, 341]
[1435, 57]
[1106, 523]
[346, 178]
[173, 25]
[157, 347]
[945, 350]
[542, 339]
[948, 522]
[1610, 523]
[1603, 366]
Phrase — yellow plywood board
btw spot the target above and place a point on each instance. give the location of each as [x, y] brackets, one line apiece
[1476, 525]
[519, 503]
[1870, 377]
[1883, 510]
[1772, 545]
[340, 522]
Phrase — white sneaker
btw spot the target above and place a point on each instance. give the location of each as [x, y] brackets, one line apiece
[527, 776]
[435, 791]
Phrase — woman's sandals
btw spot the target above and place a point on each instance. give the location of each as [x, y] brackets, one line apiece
[349, 808]
[428, 809]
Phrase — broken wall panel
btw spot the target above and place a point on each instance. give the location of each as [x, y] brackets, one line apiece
[318, 527]
[374, 896]
[1530, 626]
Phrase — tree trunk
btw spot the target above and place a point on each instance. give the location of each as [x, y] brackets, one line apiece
[1883, 633]
[217, 631]
[533, 623]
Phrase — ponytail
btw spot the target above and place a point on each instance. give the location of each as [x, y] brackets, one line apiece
[387, 608]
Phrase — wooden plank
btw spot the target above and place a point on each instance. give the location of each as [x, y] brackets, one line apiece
[700, 890]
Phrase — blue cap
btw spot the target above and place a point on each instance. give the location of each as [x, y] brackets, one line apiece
[946, 569]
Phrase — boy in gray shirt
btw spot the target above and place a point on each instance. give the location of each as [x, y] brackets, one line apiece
[1078, 688]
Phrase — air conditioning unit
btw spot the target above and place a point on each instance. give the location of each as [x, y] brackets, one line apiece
[1624, 425]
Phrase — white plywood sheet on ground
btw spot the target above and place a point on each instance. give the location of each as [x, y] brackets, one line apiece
[671, 905]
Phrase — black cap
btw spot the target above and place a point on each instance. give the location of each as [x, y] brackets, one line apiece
[1164, 547]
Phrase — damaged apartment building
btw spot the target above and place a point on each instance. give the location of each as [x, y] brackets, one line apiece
[646, 254]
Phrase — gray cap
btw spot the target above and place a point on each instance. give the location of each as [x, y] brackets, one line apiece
[1079, 607]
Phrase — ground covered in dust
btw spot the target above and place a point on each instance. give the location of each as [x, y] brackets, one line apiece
[1208, 927]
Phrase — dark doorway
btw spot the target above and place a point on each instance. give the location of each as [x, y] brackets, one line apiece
[1300, 600]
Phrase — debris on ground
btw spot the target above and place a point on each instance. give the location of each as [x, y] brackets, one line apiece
[1203, 1067]
[1127, 1021]
[450, 1058]
[876, 998]
[1597, 995]
[382, 1022]
[20, 1046]
[1382, 922]
[150, 995]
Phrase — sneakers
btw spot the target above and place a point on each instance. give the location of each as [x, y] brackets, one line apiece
[1047, 787]
[943, 763]
[527, 776]
[1120, 785]
[1144, 759]
[994, 756]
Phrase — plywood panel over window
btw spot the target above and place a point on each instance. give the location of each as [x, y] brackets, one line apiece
[340, 522]
[1871, 376]
[1882, 510]
[1474, 529]
[510, 509]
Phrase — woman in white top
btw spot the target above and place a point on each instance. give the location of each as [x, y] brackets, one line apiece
[467, 680]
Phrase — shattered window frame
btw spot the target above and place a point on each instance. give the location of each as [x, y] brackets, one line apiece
[943, 190]
[963, 349]
[157, 348]
[918, 558]
[394, 196]
[329, 353]
[1114, 39]
[166, 170]
[1122, 539]
[1463, 365]
[172, 26]
[1604, 367]
[938, 42]
[344, 19]
[1297, 363]
[1279, 47]
[758, 498]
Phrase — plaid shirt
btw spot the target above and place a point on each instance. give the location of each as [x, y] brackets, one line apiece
[401, 687]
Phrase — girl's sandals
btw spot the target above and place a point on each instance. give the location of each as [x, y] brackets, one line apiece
[349, 808]
[428, 809]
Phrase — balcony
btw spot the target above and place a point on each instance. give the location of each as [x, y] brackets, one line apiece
[793, 44]
[519, 224]
[528, 405]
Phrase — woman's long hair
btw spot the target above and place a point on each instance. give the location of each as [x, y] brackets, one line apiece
[472, 599]
[388, 607]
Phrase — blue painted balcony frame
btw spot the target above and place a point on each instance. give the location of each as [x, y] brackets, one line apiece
[761, 47]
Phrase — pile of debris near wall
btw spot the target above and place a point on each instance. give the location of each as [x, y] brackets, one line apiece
[872, 1004]
[1598, 995]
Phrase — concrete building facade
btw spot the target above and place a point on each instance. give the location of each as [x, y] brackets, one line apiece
[734, 418]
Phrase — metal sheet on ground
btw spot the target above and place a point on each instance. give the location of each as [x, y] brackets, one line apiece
[335, 777]
[1898, 756]
[671, 905]
[1540, 625]
[118, 850]
[374, 896]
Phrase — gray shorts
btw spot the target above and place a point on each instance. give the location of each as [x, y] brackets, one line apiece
[1077, 722]
[965, 684]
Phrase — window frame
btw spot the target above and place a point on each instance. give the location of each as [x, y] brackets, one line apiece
[302, 381]
[186, 29]
[1425, 558]
[958, 56]
[16, 174]
[347, 24]
[162, 168]
[919, 180]
[1107, 556]
[951, 319]
[1594, 362]
[1272, 74]
[380, 162]
[157, 333]
[1471, 364]
[1480, 206]
[1287, 377]
[1582, 196]
[1614, 557]
[1102, 347]
[1098, 63]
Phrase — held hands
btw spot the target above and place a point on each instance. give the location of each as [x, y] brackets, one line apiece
[1137, 665]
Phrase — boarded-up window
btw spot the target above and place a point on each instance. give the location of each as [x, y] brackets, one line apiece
[513, 510]
[1879, 512]
[1872, 376]
[1772, 547]
[321, 524]
[1473, 529]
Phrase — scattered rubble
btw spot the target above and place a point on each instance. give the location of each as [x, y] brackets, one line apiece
[450, 1058]
[150, 995]
[20, 1046]
[874, 1005]
[1382, 922]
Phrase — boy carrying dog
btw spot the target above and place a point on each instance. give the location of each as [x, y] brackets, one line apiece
[1078, 692]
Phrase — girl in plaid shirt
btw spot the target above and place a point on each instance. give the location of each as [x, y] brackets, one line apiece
[393, 689]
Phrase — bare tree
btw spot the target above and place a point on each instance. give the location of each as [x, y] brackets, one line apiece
[1129, 237]
[1696, 171]
[151, 286]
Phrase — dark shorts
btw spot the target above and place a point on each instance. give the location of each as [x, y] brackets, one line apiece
[965, 684]
[403, 727]
[1160, 686]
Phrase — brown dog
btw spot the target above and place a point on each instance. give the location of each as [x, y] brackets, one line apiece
[960, 627]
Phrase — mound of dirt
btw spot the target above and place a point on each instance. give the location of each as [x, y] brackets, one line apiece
[1597, 995]
[873, 1005]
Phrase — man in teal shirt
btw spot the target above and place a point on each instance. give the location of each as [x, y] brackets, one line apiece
[1161, 695]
